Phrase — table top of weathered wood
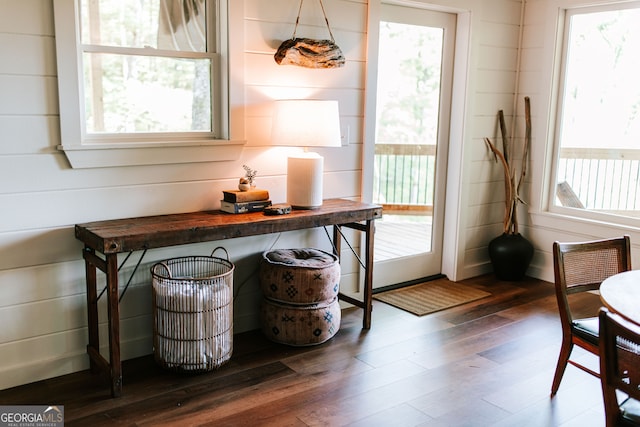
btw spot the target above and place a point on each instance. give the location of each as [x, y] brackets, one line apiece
[131, 234]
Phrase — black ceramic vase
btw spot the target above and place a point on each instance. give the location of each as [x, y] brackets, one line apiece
[510, 255]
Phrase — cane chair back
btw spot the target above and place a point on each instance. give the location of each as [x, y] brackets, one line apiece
[581, 267]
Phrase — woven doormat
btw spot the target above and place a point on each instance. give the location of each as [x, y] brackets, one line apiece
[429, 297]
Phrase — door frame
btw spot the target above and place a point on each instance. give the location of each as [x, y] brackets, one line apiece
[452, 248]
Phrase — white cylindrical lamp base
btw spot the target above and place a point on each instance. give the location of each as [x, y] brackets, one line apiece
[304, 181]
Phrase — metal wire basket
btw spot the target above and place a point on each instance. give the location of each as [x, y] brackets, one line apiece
[193, 312]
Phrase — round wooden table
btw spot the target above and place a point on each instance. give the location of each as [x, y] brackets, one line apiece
[620, 293]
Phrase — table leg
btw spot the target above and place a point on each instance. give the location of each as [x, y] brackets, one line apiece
[336, 240]
[113, 310]
[367, 303]
[92, 307]
[368, 274]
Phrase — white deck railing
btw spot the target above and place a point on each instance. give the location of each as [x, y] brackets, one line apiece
[602, 179]
[404, 175]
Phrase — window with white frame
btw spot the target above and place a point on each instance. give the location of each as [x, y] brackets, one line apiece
[597, 162]
[141, 82]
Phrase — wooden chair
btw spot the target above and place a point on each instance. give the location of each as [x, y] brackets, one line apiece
[581, 267]
[620, 369]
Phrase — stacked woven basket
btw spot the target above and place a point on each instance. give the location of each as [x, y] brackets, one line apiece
[300, 305]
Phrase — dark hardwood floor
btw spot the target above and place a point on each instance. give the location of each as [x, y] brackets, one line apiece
[486, 363]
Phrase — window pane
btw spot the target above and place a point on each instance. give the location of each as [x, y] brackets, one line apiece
[128, 94]
[410, 59]
[160, 24]
[599, 157]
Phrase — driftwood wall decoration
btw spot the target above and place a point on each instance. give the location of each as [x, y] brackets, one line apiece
[310, 53]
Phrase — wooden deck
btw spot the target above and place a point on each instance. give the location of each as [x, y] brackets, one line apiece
[401, 235]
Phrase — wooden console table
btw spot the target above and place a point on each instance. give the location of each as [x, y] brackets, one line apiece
[112, 237]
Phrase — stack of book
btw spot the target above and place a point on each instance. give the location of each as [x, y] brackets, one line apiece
[236, 201]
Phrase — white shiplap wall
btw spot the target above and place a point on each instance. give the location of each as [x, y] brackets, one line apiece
[42, 297]
[492, 82]
[539, 72]
[498, 77]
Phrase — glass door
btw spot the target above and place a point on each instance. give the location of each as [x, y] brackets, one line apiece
[415, 68]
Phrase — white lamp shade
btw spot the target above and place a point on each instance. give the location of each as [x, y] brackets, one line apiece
[306, 123]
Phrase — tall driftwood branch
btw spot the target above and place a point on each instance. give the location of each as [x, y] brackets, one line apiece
[527, 142]
[511, 219]
[512, 183]
[508, 183]
[508, 215]
[503, 131]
